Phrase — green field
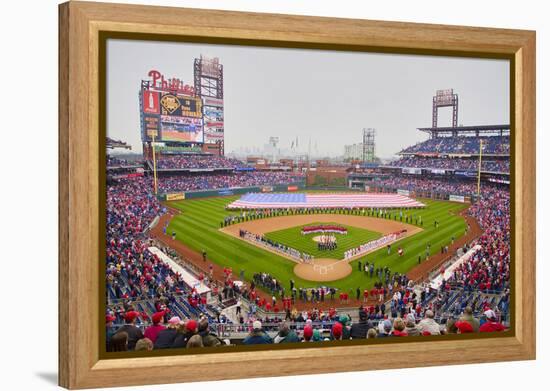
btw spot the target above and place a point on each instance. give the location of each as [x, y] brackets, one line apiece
[198, 227]
[293, 237]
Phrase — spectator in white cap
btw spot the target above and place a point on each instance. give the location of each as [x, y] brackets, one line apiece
[257, 336]
[428, 326]
[491, 324]
[384, 328]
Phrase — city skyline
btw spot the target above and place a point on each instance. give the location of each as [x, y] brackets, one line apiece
[327, 97]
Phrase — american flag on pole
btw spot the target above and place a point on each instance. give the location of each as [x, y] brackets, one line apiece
[329, 200]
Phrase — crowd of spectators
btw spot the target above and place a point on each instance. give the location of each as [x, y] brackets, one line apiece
[452, 164]
[191, 161]
[400, 310]
[489, 268]
[131, 207]
[331, 326]
[133, 274]
[175, 183]
[162, 333]
[429, 185]
[492, 145]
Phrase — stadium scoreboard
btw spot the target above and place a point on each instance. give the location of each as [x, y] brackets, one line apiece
[170, 112]
[175, 112]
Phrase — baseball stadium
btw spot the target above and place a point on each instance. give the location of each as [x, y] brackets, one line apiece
[208, 249]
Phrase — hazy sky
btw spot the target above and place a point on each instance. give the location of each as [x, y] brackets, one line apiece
[325, 96]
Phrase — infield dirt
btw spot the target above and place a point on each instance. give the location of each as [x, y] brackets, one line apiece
[321, 269]
[384, 226]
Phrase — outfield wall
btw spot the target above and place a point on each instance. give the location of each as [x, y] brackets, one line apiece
[442, 196]
[287, 187]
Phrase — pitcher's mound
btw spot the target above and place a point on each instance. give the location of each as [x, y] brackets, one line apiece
[323, 270]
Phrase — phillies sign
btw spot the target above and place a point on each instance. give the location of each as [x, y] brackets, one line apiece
[174, 84]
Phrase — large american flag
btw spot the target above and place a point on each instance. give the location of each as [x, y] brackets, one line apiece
[329, 200]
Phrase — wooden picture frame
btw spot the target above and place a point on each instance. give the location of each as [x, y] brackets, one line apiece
[80, 27]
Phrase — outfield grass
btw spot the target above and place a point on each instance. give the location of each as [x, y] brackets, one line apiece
[293, 237]
[198, 227]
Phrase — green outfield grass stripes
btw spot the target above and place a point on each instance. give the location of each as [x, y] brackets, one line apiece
[198, 227]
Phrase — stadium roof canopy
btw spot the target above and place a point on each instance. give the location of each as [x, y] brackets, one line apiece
[111, 144]
[496, 130]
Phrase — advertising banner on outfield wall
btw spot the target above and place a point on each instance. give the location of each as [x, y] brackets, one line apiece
[416, 171]
[437, 171]
[456, 198]
[267, 189]
[498, 180]
[403, 192]
[470, 174]
[130, 175]
[175, 196]
[292, 188]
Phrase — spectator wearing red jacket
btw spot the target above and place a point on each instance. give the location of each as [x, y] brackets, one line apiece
[491, 325]
[337, 331]
[463, 327]
[152, 331]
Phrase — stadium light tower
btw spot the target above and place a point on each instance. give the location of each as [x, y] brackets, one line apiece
[208, 74]
[273, 142]
[445, 98]
[369, 144]
[479, 168]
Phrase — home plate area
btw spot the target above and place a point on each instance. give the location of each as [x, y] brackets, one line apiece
[323, 270]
